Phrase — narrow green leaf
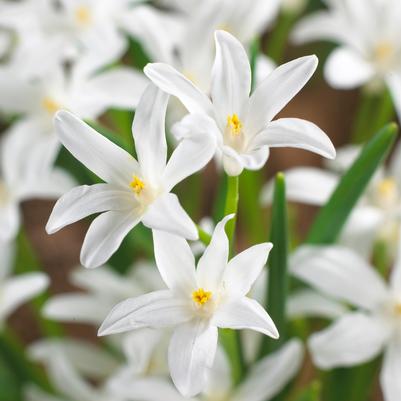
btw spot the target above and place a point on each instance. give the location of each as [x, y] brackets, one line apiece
[277, 284]
[311, 393]
[332, 217]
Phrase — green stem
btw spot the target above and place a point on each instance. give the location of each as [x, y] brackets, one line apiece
[277, 284]
[231, 338]
[204, 237]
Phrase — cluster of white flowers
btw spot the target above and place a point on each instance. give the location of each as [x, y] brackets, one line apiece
[64, 64]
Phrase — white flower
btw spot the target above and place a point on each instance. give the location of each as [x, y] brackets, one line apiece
[24, 175]
[370, 49]
[196, 303]
[377, 214]
[242, 125]
[78, 90]
[134, 191]
[103, 289]
[16, 290]
[361, 334]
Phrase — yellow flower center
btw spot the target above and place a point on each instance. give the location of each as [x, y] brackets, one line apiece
[200, 296]
[387, 187]
[83, 15]
[50, 105]
[398, 309]
[234, 124]
[137, 185]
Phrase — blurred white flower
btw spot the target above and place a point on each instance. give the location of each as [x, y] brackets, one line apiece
[196, 303]
[370, 49]
[103, 289]
[18, 289]
[24, 174]
[377, 214]
[361, 334]
[241, 125]
[135, 191]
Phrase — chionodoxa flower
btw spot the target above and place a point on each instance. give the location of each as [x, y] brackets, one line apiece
[196, 303]
[134, 191]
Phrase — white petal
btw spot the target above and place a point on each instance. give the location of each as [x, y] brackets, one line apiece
[345, 69]
[7, 252]
[167, 214]
[155, 309]
[77, 308]
[219, 380]
[105, 235]
[9, 221]
[148, 130]
[245, 313]
[33, 393]
[296, 133]
[19, 289]
[193, 152]
[269, 376]
[243, 270]
[103, 157]
[308, 185]
[391, 371]
[213, 262]
[171, 81]
[231, 77]
[175, 261]
[86, 200]
[353, 339]
[119, 87]
[190, 355]
[394, 84]
[309, 303]
[272, 95]
[334, 270]
[395, 278]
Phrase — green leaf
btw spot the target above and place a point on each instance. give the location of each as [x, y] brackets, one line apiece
[311, 393]
[277, 285]
[332, 217]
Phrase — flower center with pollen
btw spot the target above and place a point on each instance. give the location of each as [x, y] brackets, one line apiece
[50, 105]
[397, 309]
[201, 297]
[387, 193]
[234, 125]
[384, 54]
[83, 15]
[137, 185]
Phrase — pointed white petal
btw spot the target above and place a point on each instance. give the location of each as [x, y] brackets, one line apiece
[149, 134]
[391, 371]
[231, 77]
[191, 353]
[85, 200]
[395, 278]
[20, 289]
[219, 380]
[334, 270]
[100, 155]
[105, 235]
[245, 313]
[9, 221]
[119, 88]
[213, 262]
[296, 133]
[279, 87]
[33, 393]
[77, 308]
[243, 270]
[309, 303]
[175, 261]
[353, 339]
[171, 81]
[167, 214]
[155, 309]
[269, 376]
[308, 185]
[345, 69]
[193, 152]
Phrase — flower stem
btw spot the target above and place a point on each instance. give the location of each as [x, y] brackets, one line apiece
[204, 237]
[230, 338]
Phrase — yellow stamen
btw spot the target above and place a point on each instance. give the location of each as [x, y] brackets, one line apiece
[398, 309]
[83, 15]
[387, 187]
[383, 52]
[50, 105]
[200, 296]
[137, 185]
[234, 124]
